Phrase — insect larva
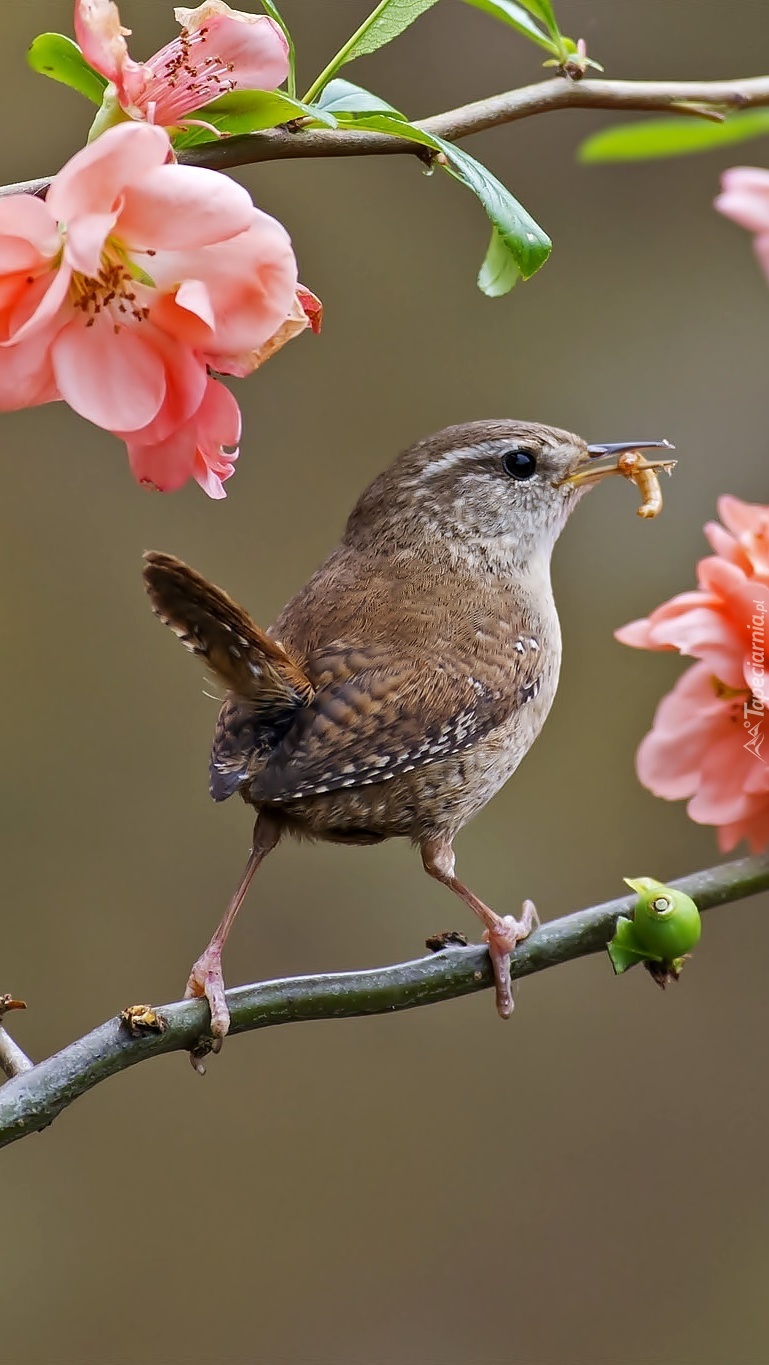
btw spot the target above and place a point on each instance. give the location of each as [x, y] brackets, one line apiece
[644, 475]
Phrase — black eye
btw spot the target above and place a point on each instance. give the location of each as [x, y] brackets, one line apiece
[519, 464]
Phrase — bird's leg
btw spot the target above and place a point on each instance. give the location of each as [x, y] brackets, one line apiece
[501, 932]
[206, 977]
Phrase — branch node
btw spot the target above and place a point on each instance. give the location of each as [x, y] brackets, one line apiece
[140, 1020]
[13, 1062]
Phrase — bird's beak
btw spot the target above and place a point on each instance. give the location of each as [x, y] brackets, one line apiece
[586, 472]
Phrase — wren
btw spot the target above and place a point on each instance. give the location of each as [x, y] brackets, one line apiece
[402, 686]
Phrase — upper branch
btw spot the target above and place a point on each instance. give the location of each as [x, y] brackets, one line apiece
[560, 93]
[32, 1100]
[278, 144]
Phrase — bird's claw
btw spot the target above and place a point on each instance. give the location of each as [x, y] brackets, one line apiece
[502, 938]
[206, 980]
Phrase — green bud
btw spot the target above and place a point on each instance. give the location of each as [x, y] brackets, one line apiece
[665, 927]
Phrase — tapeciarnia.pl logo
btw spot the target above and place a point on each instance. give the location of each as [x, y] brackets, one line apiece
[755, 706]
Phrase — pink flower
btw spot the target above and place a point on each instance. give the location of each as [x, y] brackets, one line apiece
[702, 746]
[744, 198]
[218, 50]
[134, 279]
[707, 739]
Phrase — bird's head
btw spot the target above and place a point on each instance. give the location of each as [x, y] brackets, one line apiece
[503, 485]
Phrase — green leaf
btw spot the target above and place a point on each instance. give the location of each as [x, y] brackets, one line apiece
[654, 138]
[342, 97]
[624, 949]
[58, 57]
[248, 111]
[385, 22]
[499, 271]
[524, 239]
[509, 12]
[564, 47]
[253, 110]
[517, 234]
[274, 13]
[543, 10]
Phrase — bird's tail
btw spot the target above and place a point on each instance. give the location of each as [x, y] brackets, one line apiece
[249, 663]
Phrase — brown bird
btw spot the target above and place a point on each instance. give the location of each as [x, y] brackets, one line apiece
[402, 686]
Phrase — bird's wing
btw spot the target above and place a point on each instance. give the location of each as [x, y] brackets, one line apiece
[372, 717]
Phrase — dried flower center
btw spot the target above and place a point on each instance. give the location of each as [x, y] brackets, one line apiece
[113, 288]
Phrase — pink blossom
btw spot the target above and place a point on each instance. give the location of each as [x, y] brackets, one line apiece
[134, 279]
[218, 50]
[707, 742]
[744, 198]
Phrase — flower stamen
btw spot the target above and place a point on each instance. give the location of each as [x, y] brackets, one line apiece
[112, 287]
[192, 80]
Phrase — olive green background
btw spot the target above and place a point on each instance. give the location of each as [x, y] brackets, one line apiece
[587, 1183]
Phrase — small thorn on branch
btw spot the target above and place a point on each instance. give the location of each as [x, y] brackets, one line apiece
[698, 111]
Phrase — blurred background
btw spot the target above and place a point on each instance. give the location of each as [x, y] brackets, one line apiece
[586, 1184]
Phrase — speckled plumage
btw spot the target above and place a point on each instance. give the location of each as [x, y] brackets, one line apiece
[402, 686]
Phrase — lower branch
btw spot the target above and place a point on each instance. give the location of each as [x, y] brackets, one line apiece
[30, 1101]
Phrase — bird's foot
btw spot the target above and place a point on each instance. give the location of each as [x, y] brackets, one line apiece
[502, 938]
[206, 979]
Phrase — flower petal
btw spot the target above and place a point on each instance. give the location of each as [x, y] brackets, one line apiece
[101, 36]
[669, 758]
[253, 46]
[22, 216]
[94, 179]
[183, 207]
[251, 279]
[166, 465]
[26, 375]
[186, 381]
[36, 306]
[86, 236]
[745, 197]
[115, 378]
[219, 426]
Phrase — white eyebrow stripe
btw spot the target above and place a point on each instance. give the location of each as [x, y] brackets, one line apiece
[448, 460]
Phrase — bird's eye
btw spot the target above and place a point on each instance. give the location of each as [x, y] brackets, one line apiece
[519, 464]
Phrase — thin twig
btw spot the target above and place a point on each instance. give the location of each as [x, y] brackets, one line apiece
[32, 1101]
[687, 98]
[13, 1062]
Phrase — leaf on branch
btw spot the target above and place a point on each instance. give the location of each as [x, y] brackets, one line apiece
[654, 138]
[342, 97]
[249, 111]
[54, 55]
[499, 271]
[518, 17]
[518, 247]
[543, 10]
[515, 231]
[389, 19]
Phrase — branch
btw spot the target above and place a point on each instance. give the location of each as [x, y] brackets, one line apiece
[692, 98]
[33, 1099]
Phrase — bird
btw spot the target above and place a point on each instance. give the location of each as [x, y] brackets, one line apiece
[402, 686]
